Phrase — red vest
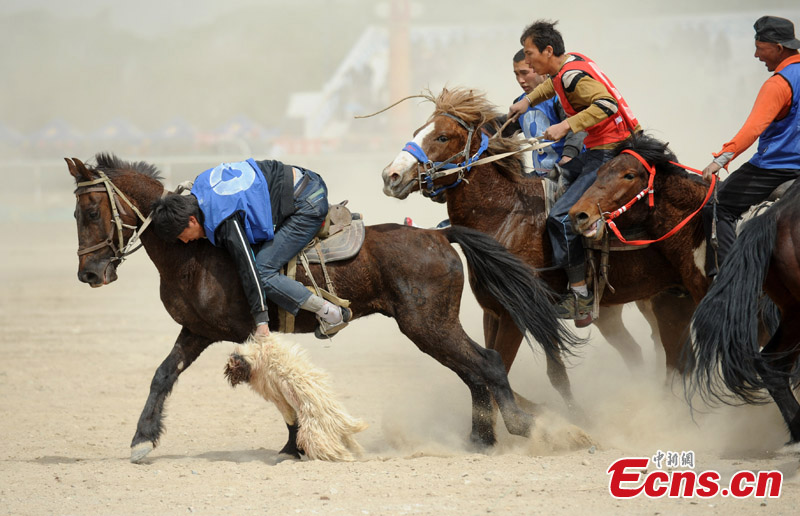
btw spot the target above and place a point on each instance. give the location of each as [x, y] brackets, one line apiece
[614, 128]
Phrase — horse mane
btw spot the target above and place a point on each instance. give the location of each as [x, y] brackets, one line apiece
[113, 166]
[477, 111]
[655, 152]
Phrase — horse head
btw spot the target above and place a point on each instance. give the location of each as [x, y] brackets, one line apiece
[453, 136]
[621, 181]
[106, 220]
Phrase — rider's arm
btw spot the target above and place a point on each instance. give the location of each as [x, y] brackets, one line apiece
[230, 234]
[773, 101]
[542, 92]
[591, 100]
[573, 142]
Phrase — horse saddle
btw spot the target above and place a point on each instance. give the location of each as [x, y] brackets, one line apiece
[341, 236]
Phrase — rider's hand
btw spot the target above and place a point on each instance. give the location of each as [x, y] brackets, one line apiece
[262, 330]
[556, 132]
[712, 168]
[518, 108]
[564, 159]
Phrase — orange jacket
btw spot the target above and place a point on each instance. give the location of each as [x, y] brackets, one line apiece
[772, 103]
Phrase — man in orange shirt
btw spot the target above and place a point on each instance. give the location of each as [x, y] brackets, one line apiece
[775, 122]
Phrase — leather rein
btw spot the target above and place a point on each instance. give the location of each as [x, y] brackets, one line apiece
[429, 171]
[608, 217]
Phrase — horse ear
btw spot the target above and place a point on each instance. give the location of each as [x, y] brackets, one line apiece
[72, 169]
[78, 169]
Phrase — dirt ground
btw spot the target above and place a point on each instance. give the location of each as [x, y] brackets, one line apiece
[76, 363]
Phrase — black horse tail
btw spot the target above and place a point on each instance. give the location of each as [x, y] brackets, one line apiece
[509, 280]
[724, 361]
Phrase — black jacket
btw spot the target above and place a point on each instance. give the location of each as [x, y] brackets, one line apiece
[230, 234]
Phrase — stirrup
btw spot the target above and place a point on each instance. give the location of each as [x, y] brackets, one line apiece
[327, 330]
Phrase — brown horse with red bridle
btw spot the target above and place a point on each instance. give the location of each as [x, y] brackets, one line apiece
[499, 199]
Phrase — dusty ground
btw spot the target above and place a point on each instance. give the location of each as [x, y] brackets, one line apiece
[76, 363]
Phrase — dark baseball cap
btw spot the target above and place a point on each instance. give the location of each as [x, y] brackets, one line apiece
[771, 29]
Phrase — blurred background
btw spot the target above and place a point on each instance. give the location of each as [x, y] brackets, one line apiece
[188, 85]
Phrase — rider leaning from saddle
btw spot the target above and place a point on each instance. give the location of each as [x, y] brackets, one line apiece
[593, 105]
[535, 121]
[775, 122]
[263, 213]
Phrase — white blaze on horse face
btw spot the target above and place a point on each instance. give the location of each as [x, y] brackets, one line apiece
[394, 175]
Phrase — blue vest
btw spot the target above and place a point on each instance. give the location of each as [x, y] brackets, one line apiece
[534, 123]
[779, 144]
[235, 187]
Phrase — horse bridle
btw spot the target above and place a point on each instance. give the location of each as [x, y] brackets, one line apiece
[608, 217]
[122, 250]
[429, 171]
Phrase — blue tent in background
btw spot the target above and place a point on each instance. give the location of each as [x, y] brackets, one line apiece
[57, 131]
[118, 130]
[9, 136]
[177, 129]
[245, 128]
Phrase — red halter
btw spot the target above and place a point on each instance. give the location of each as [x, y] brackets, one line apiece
[609, 220]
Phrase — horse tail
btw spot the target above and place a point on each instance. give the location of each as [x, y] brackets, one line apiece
[509, 280]
[724, 361]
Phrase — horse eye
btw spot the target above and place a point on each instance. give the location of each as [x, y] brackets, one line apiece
[94, 215]
[442, 139]
[630, 176]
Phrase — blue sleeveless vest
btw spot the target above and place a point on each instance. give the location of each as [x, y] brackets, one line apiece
[779, 144]
[534, 123]
[232, 187]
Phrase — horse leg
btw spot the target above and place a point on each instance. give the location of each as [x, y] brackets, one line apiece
[187, 348]
[781, 352]
[481, 369]
[614, 331]
[673, 314]
[491, 325]
[645, 306]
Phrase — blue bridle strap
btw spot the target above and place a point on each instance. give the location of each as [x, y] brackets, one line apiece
[431, 167]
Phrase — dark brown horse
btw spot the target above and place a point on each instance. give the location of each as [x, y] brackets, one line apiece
[410, 274]
[724, 354]
[500, 200]
[673, 261]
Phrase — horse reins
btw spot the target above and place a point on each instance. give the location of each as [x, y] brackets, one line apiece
[608, 218]
[429, 171]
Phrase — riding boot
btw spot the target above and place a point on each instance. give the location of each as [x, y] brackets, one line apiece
[577, 307]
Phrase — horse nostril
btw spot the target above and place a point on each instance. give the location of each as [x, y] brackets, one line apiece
[394, 178]
[582, 216]
[87, 277]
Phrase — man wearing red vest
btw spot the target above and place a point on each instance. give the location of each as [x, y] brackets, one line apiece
[594, 105]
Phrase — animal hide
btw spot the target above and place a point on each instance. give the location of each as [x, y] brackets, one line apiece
[281, 372]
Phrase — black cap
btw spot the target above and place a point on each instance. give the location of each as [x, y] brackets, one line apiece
[771, 29]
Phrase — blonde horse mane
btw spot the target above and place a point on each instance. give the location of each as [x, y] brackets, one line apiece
[477, 111]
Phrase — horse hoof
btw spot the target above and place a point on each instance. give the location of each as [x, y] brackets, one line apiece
[140, 451]
[790, 448]
[282, 457]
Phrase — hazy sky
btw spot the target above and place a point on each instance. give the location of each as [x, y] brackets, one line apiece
[144, 17]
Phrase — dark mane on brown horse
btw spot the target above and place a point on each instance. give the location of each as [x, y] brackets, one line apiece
[657, 153]
[113, 166]
[477, 111]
